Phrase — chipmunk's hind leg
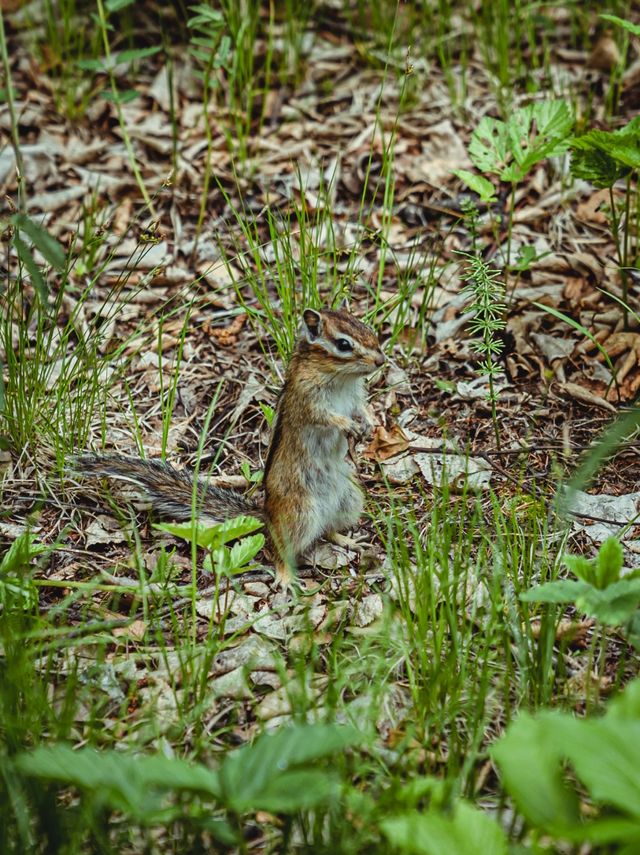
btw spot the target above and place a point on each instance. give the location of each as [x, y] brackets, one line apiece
[292, 536]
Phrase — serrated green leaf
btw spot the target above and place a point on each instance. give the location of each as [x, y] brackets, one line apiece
[468, 832]
[187, 531]
[300, 789]
[236, 527]
[117, 5]
[208, 536]
[125, 782]
[582, 567]
[597, 167]
[243, 552]
[489, 148]
[137, 53]
[477, 184]
[93, 65]
[248, 773]
[560, 591]
[532, 133]
[609, 561]
[529, 757]
[614, 605]
[124, 97]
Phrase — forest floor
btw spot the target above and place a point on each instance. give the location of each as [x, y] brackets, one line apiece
[199, 182]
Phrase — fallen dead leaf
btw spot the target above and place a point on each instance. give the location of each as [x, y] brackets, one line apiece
[386, 444]
[226, 336]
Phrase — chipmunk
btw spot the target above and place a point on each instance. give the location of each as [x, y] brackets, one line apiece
[310, 490]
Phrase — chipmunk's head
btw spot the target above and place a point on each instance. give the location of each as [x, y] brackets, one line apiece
[338, 342]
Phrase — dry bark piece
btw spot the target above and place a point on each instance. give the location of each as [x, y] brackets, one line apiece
[585, 396]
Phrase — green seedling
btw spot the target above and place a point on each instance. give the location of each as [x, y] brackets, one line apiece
[251, 477]
[488, 320]
[17, 591]
[280, 772]
[604, 754]
[510, 149]
[604, 158]
[599, 591]
[220, 559]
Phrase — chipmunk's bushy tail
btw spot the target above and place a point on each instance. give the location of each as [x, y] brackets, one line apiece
[169, 490]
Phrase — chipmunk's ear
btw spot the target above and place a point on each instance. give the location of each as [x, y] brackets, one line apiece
[312, 324]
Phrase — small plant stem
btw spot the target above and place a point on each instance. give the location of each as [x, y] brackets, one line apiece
[507, 266]
[116, 100]
[494, 411]
[590, 701]
[206, 80]
[15, 141]
[625, 257]
[615, 225]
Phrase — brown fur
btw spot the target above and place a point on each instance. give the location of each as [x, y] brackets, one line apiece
[310, 492]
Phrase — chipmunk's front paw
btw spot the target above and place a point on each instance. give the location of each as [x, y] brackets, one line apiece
[360, 427]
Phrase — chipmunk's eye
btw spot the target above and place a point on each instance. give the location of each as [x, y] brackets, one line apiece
[343, 345]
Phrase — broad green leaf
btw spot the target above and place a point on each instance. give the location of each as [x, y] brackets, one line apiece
[289, 792]
[632, 28]
[124, 97]
[609, 561]
[478, 184]
[627, 704]
[597, 167]
[602, 157]
[126, 782]
[94, 64]
[249, 772]
[244, 551]
[489, 148]
[582, 567]
[45, 243]
[560, 591]
[236, 527]
[202, 534]
[529, 762]
[623, 145]
[532, 133]
[606, 757]
[116, 5]
[553, 119]
[614, 605]
[468, 832]
[210, 535]
[538, 131]
[137, 53]
[611, 831]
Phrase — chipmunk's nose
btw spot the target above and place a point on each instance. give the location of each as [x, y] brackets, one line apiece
[380, 358]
